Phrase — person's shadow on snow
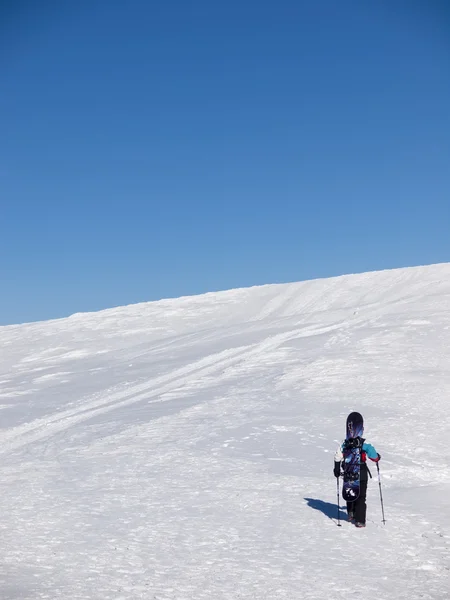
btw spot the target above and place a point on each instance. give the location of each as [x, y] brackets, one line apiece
[327, 508]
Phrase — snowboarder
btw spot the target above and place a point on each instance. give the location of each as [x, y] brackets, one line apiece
[352, 456]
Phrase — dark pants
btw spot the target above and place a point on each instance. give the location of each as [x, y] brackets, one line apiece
[358, 507]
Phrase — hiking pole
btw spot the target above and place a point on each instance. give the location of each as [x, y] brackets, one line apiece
[338, 507]
[381, 495]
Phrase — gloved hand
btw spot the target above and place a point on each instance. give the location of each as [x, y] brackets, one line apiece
[379, 456]
[337, 469]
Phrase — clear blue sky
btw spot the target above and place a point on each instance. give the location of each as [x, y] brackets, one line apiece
[157, 149]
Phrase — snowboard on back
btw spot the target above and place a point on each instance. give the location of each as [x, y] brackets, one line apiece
[351, 450]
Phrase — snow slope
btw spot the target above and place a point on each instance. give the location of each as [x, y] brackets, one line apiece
[183, 449]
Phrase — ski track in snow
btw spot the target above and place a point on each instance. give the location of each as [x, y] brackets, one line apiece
[183, 449]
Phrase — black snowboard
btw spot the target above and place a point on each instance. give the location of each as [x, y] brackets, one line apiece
[352, 456]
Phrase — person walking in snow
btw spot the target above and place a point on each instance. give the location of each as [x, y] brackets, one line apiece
[356, 509]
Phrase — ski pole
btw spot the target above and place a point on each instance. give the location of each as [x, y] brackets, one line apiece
[338, 507]
[381, 495]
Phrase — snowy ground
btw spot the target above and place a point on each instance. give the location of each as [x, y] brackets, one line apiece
[183, 450]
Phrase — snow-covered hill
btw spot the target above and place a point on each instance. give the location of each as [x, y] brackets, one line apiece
[183, 449]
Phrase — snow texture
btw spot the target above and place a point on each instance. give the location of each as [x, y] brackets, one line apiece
[183, 449]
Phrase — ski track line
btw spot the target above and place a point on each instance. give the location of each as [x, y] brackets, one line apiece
[275, 304]
[47, 426]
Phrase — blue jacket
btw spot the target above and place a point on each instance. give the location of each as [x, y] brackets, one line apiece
[367, 450]
[370, 452]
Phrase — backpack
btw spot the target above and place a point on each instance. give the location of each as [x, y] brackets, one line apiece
[354, 457]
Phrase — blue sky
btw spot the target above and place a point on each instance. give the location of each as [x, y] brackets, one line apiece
[158, 149]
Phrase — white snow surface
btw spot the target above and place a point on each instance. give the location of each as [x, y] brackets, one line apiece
[183, 449]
